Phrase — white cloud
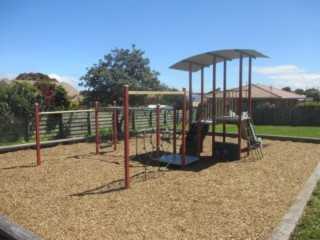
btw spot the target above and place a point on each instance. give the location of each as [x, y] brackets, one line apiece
[10, 76]
[72, 80]
[295, 81]
[283, 69]
[289, 76]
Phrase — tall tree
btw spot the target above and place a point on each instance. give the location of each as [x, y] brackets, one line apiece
[314, 93]
[52, 97]
[104, 81]
[288, 89]
[299, 91]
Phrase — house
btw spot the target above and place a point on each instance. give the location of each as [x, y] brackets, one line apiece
[262, 96]
[4, 81]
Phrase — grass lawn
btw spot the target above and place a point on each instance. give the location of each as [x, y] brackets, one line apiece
[300, 131]
[309, 225]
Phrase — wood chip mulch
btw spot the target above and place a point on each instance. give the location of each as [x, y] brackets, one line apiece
[76, 194]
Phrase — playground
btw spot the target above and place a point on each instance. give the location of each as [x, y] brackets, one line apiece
[160, 180]
[76, 194]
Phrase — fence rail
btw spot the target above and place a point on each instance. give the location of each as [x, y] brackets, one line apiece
[70, 124]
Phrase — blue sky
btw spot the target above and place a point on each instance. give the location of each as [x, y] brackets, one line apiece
[62, 38]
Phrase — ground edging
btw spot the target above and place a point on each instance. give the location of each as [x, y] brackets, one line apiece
[288, 223]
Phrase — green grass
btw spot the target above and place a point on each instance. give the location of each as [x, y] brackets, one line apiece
[309, 225]
[300, 131]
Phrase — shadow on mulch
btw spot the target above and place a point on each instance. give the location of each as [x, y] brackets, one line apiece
[144, 161]
[114, 186]
[22, 166]
[203, 163]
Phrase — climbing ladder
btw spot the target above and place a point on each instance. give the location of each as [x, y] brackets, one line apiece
[192, 137]
[254, 143]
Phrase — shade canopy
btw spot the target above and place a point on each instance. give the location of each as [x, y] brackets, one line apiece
[206, 59]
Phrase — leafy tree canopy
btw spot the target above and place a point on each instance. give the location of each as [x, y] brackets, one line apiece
[105, 79]
[314, 93]
[52, 97]
[299, 91]
[288, 89]
[18, 98]
[35, 77]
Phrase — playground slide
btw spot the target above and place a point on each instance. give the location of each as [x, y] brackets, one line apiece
[249, 132]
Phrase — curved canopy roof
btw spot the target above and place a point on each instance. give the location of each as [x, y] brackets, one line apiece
[206, 59]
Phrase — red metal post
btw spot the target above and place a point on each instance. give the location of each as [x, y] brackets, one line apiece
[97, 127]
[249, 88]
[115, 131]
[183, 134]
[36, 108]
[126, 137]
[158, 131]
[224, 97]
[249, 101]
[190, 95]
[240, 106]
[174, 134]
[199, 143]
[213, 104]
[202, 93]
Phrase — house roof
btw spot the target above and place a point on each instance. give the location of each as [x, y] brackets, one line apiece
[260, 91]
[5, 81]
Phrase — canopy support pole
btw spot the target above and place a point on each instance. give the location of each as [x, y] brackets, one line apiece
[249, 87]
[213, 103]
[190, 95]
[224, 97]
[240, 106]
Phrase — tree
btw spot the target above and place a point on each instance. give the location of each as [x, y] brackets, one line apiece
[20, 98]
[314, 93]
[299, 91]
[104, 81]
[16, 106]
[52, 97]
[35, 77]
[288, 89]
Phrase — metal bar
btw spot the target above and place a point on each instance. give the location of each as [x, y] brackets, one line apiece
[133, 92]
[126, 137]
[213, 103]
[196, 63]
[112, 108]
[174, 130]
[240, 106]
[199, 138]
[249, 87]
[183, 134]
[115, 130]
[202, 94]
[96, 117]
[249, 100]
[224, 97]
[62, 112]
[218, 56]
[158, 132]
[244, 53]
[190, 95]
[36, 108]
